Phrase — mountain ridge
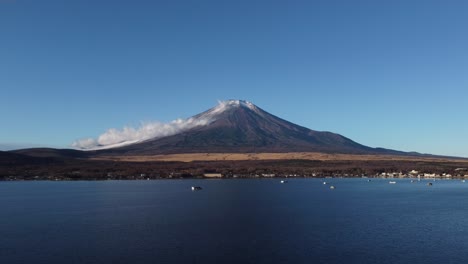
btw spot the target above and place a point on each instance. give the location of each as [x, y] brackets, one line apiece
[239, 126]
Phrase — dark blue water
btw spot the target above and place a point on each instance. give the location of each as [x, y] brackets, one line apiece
[234, 221]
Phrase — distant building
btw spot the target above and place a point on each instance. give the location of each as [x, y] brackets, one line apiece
[429, 175]
[213, 175]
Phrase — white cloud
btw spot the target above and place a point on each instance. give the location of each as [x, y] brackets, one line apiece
[119, 137]
[85, 143]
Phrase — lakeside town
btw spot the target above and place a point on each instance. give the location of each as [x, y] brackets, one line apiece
[458, 173]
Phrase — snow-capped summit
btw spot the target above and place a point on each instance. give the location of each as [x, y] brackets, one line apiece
[237, 103]
[225, 106]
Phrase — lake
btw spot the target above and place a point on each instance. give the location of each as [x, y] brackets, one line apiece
[234, 221]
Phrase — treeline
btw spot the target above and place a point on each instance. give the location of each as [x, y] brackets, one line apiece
[83, 169]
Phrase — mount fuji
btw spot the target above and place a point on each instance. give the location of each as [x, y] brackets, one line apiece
[235, 137]
[238, 126]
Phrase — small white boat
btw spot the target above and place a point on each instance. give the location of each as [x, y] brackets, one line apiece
[463, 180]
[332, 187]
[196, 188]
[392, 182]
[284, 181]
[324, 182]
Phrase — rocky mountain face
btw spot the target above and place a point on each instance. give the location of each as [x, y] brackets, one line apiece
[240, 126]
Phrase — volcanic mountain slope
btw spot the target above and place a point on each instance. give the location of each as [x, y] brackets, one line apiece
[9, 159]
[236, 126]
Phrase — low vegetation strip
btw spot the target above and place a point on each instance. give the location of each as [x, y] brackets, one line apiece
[190, 157]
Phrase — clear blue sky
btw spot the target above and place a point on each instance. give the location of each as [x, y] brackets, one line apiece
[392, 74]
